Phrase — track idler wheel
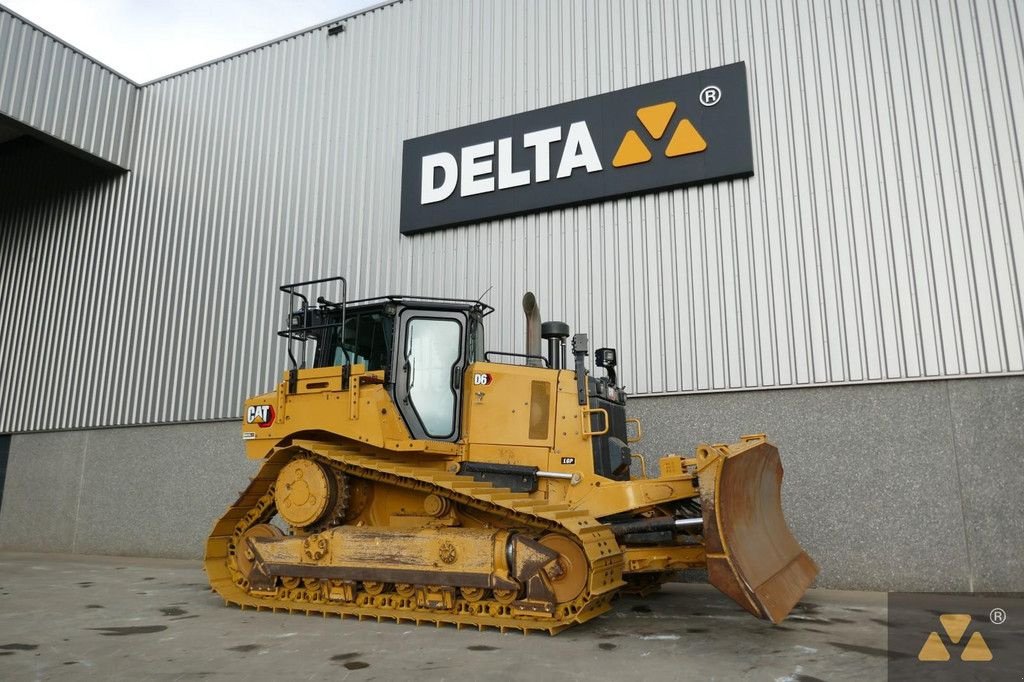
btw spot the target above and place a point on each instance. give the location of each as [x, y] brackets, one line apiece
[245, 557]
[568, 575]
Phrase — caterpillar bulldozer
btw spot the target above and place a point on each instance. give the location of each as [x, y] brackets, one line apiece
[409, 474]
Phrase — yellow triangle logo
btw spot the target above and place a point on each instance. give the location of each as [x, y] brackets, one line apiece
[933, 649]
[955, 625]
[656, 117]
[632, 150]
[976, 649]
[686, 140]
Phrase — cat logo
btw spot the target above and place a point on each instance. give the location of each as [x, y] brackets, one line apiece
[261, 415]
[955, 625]
[655, 119]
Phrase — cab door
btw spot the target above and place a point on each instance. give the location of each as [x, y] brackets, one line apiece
[430, 360]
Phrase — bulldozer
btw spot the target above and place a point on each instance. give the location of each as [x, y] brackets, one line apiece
[410, 474]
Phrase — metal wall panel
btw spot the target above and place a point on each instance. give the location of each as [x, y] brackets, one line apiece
[881, 238]
[54, 88]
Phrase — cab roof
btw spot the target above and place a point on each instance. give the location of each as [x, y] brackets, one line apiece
[425, 302]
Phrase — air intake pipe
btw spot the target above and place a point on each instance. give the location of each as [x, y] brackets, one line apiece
[532, 311]
[555, 333]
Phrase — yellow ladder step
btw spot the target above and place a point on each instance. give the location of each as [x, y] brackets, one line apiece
[470, 485]
[444, 476]
[530, 504]
[571, 514]
[501, 496]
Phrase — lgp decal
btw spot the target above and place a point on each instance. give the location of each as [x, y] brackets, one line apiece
[693, 129]
[261, 415]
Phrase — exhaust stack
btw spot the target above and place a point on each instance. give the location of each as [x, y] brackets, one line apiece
[532, 311]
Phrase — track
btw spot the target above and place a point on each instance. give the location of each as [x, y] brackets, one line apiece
[255, 505]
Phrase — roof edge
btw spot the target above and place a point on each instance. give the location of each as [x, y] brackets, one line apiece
[175, 74]
[68, 45]
[272, 41]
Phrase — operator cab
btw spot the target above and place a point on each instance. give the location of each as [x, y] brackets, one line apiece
[421, 346]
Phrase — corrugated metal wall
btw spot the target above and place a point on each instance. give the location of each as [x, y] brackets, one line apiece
[881, 238]
[53, 88]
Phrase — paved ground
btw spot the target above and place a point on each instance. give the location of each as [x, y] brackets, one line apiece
[74, 617]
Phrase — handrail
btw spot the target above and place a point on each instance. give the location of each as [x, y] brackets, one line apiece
[488, 354]
[485, 309]
[292, 330]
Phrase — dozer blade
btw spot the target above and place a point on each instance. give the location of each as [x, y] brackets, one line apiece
[751, 554]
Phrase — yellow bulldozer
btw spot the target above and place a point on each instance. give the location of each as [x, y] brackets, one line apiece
[409, 474]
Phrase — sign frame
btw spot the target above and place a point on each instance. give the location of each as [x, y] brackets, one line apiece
[492, 158]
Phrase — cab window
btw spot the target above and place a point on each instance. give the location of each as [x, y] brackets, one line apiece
[366, 340]
[432, 349]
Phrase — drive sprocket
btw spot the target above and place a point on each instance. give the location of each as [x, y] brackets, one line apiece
[310, 496]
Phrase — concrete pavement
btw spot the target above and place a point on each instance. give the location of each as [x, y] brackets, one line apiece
[112, 618]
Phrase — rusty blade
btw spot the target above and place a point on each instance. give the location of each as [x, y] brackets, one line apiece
[752, 555]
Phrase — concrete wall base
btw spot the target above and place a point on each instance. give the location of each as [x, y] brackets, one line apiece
[897, 487]
[140, 491]
[908, 486]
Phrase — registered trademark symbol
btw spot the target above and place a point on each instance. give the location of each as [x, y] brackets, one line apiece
[710, 95]
[997, 616]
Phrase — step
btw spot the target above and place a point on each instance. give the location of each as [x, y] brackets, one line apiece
[409, 472]
[571, 514]
[500, 497]
[547, 509]
[444, 476]
[470, 485]
[530, 504]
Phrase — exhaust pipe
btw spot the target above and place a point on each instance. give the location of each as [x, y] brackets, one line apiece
[532, 311]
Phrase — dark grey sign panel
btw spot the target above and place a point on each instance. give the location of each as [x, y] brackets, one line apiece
[680, 131]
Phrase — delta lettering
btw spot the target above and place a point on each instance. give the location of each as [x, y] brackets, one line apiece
[487, 166]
